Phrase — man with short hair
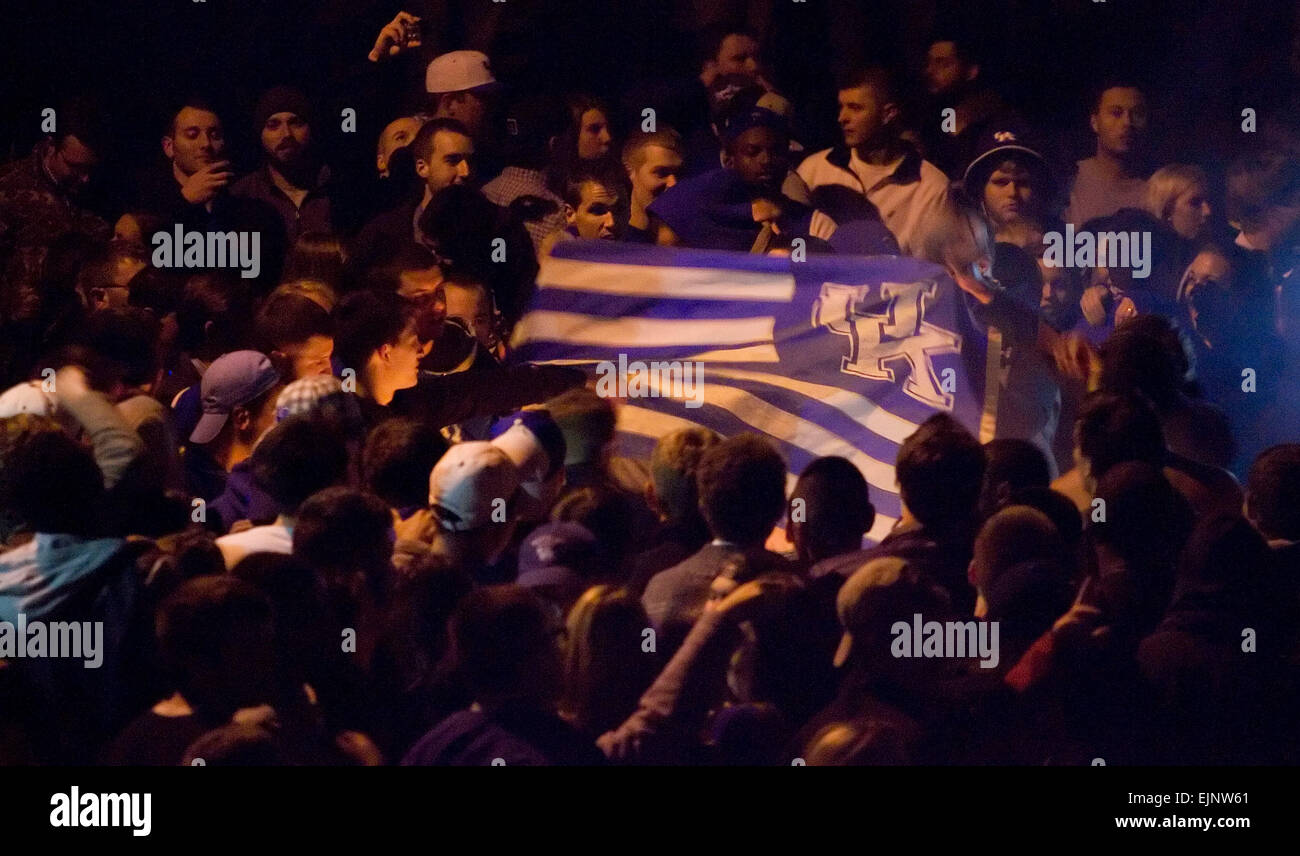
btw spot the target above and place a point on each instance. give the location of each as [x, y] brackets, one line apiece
[297, 334]
[874, 174]
[674, 498]
[652, 161]
[593, 209]
[741, 206]
[728, 50]
[1115, 177]
[41, 195]
[830, 511]
[377, 341]
[741, 483]
[397, 134]
[292, 181]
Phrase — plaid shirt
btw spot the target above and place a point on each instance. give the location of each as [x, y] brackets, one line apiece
[515, 182]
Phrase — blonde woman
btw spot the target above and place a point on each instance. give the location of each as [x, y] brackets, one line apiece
[1179, 195]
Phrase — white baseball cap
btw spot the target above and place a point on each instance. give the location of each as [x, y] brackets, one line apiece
[458, 71]
[28, 397]
[466, 484]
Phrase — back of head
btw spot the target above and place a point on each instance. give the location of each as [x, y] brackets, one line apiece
[1145, 520]
[397, 458]
[1013, 536]
[1258, 182]
[345, 531]
[741, 483]
[500, 635]
[1273, 492]
[605, 670]
[835, 505]
[673, 464]
[52, 484]
[214, 624]
[316, 256]
[1146, 355]
[1226, 567]
[859, 743]
[1170, 182]
[126, 338]
[213, 315]
[940, 470]
[1012, 465]
[235, 745]
[587, 421]
[1112, 429]
[290, 319]
[297, 458]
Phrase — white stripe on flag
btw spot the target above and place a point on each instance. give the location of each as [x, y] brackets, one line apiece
[859, 408]
[621, 333]
[693, 283]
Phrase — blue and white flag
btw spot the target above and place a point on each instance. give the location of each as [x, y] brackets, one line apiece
[833, 355]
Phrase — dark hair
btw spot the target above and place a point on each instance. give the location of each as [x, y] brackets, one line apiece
[126, 338]
[157, 291]
[84, 119]
[226, 302]
[571, 191]
[1146, 518]
[397, 459]
[838, 509]
[742, 488]
[1273, 491]
[1011, 465]
[1258, 182]
[344, 530]
[365, 321]
[194, 621]
[1148, 355]
[710, 40]
[1114, 428]
[968, 50]
[609, 515]
[496, 633]
[1108, 84]
[290, 319]
[297, 458]
[52, 484]
[317, 256]
[235, 745]
[877, 78]
[940, 470]
[193, 102]
[422, 145]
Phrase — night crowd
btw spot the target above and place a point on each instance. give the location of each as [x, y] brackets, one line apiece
[322, 517]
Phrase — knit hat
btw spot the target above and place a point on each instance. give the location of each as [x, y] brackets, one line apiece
[281, 99]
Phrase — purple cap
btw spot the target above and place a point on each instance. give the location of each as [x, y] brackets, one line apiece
[558, 554]
[232, 379]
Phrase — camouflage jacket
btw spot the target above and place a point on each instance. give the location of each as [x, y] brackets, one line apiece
[34, 211]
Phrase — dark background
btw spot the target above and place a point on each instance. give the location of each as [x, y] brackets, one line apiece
[1202, 60]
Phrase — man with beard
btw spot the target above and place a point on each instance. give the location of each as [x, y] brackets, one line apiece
[953, 81]
[292, 181]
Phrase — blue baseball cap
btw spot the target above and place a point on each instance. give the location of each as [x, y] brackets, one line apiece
[232, 379]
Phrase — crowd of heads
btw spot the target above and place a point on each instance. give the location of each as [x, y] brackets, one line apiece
[323, 516]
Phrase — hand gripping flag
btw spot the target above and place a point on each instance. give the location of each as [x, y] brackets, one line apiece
[834, 355]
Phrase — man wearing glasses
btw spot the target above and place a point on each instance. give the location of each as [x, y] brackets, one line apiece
[40, 194]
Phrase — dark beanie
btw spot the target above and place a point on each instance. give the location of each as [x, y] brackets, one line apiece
[281, 99]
